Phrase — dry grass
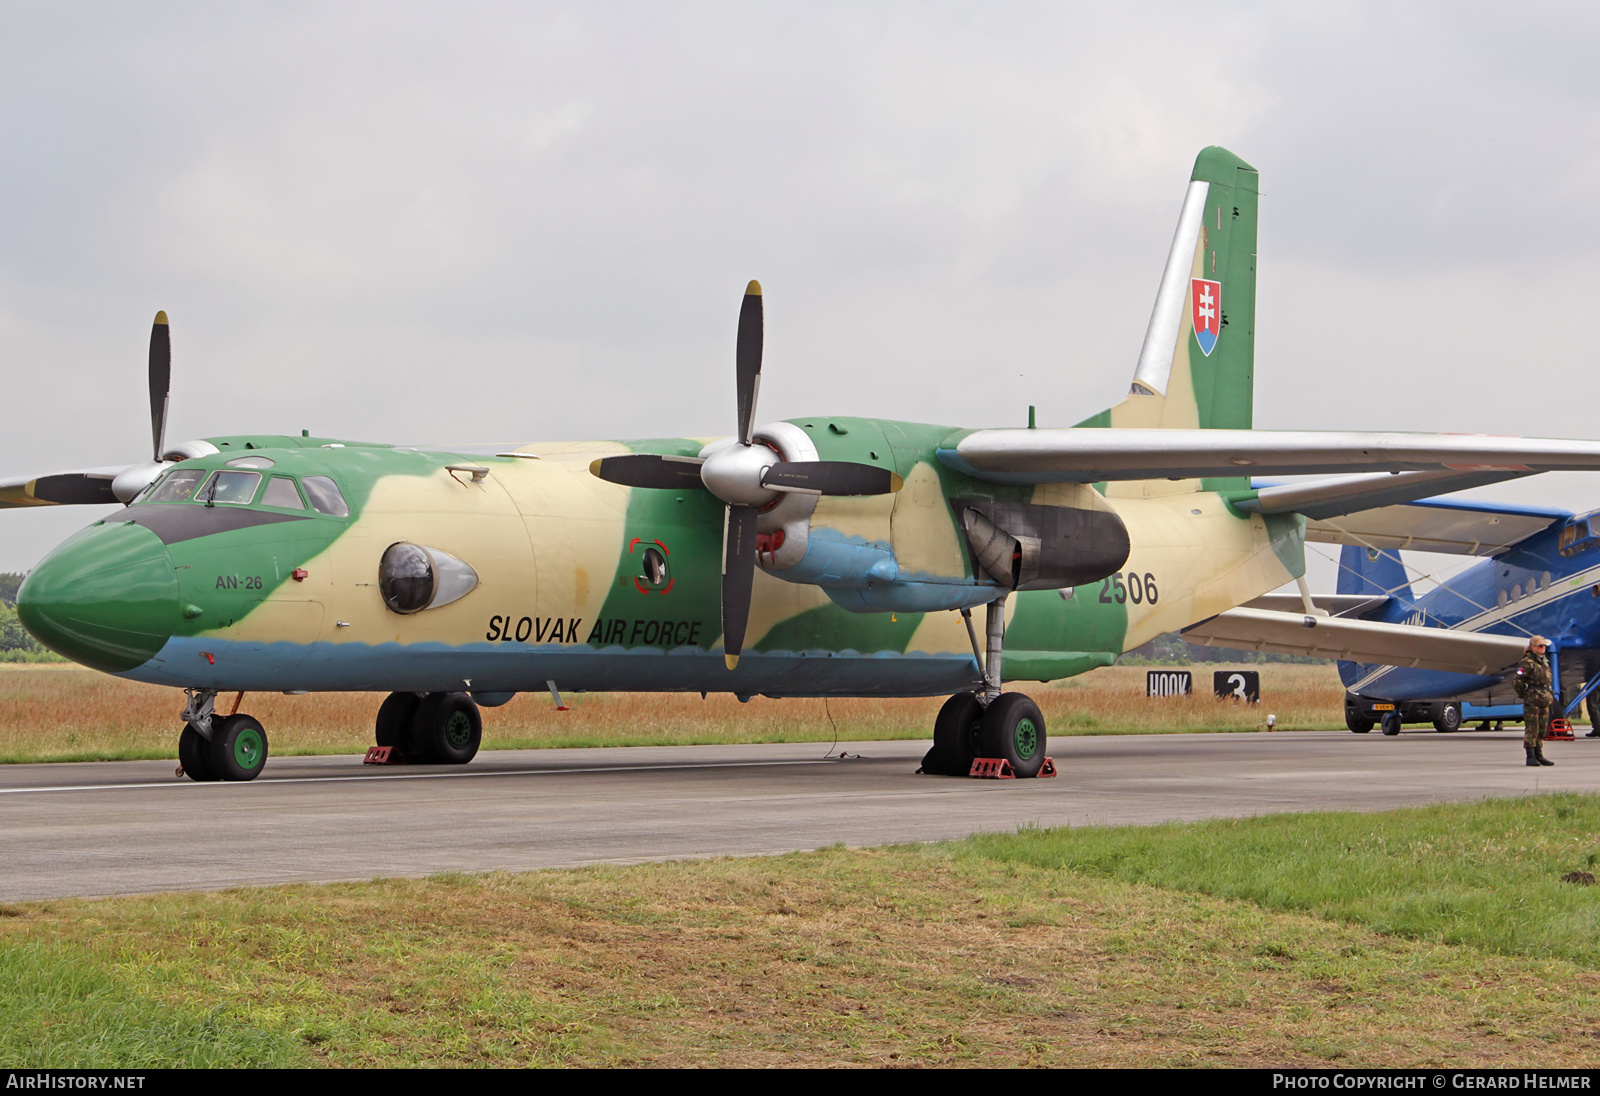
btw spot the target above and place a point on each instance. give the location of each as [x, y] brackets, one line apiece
[58, 713]
[901, 956]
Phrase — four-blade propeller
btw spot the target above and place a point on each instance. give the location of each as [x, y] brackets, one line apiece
[748, 476]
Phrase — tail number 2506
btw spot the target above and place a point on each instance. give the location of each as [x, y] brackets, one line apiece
[1137, 588]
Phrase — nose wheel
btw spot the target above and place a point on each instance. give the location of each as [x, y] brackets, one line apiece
[213, 747]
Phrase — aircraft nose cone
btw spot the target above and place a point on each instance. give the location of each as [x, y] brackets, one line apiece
[107, 598]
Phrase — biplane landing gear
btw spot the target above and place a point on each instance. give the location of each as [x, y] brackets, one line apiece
[988, 723]
[213, 747]
[431, 728]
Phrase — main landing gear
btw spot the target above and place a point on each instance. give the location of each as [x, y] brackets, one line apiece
[213, 747]
[987, 723]
[431, 728]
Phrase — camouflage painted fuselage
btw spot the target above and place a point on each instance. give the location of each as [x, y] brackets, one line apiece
[253, 597]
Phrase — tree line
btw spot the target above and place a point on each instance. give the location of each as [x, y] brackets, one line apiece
[16, 645]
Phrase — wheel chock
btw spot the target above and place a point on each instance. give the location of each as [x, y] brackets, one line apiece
[383, 755]
[1560, 731]
[1048, 768]
[991, 768]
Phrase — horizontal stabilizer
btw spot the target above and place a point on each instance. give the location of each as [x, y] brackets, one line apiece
[1096, 454]
[84, 487]
[1360, 641]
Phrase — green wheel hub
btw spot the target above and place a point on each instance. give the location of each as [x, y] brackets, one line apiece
[458, 730]
[249, 751]
[1026, 737]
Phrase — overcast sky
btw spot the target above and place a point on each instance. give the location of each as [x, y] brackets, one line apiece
[514, 222]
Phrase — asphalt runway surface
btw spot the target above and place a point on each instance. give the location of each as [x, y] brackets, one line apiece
[131, 826]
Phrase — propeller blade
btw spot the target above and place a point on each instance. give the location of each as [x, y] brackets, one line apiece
[747, 362]
[738, 578]
[649, 470]
[160, 381]
[831, 477]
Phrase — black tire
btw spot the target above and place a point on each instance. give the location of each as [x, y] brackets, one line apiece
[396, 716]
[955, 737]
[194, 755]
[1447, 717]
[238, 748]
[1013, 729]
[447, 729]
[1391, 723]
[1357, 725]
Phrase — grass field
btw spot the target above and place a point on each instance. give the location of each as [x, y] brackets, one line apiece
[64, 712]
[1429, 937]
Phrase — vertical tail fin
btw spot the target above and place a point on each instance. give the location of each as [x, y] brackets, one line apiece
[1373, 572]
[1197, 364]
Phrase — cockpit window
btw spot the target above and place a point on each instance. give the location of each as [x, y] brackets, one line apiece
[179, 486]
[1576, 536]
[325, 497]
[234, 488]
[281, 493]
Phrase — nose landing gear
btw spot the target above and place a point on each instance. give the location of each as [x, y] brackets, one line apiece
[212, 747]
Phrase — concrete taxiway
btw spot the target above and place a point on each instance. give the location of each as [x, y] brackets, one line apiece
[126, 827]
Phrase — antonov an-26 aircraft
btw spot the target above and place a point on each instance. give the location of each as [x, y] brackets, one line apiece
[821, 556]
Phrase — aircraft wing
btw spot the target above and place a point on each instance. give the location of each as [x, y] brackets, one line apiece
[1360, 641]
[1095, 454]
[86, 486]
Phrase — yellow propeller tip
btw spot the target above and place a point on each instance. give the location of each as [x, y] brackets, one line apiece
[731, 660]
[895, 482]
[594, 466]
[753, 289]
[161, 318]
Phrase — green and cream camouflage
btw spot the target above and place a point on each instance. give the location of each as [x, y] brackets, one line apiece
[821, 556]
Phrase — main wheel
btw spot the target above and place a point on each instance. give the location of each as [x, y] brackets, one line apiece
[955, 737]
[396, 716]
[1391, 723]
[1359, 726]
[447, 729]
[1013, 728]
[193, 755]
[238, 748]
[1447, 717]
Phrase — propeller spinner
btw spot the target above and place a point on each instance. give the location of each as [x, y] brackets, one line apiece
[747, 475]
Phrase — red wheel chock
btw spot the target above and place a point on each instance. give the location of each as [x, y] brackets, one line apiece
[383, 755]
[998, 768]
[1560, 731]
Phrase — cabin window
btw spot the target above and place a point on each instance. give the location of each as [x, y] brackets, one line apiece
[233, 488]
[1516, 592]
[1544, 582]
[325, 497]
[1500, 599]
[281, 493]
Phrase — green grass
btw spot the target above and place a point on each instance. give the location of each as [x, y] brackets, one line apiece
[1424, 937]
[1486, 875]
[63, 1010]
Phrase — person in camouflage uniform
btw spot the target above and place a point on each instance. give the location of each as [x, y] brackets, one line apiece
[1533, 685]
